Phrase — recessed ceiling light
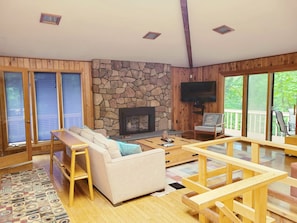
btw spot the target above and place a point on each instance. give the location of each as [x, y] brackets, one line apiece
[223, 29]
[151, 35]
[50, 18]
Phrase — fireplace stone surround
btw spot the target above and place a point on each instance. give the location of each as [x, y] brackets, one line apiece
[127, 84]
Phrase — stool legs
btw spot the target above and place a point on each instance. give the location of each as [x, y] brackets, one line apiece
[89, 174]
[72, 180]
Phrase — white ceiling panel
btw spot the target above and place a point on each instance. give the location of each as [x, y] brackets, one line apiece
[113, 29]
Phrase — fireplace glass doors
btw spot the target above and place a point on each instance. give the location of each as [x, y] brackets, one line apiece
[136, 120]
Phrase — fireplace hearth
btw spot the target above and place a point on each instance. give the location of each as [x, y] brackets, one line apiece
[136, 120]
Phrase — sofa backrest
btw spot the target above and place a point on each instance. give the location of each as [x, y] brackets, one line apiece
[99, 140]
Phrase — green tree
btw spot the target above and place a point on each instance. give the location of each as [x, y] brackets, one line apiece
[233, 92]
[285, 90]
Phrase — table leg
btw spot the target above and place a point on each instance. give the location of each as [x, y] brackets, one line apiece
[72, 174]
[90, 182]
[51, 154]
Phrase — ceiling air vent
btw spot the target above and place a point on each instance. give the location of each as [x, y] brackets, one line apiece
[50, 18]
[223, 29]
[151, 35]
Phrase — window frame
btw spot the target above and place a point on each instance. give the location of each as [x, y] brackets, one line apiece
[34, 123]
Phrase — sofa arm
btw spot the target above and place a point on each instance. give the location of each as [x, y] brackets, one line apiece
[135, 175]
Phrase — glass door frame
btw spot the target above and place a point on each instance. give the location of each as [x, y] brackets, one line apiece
[255, 128]
[244, 118]
[19, 157]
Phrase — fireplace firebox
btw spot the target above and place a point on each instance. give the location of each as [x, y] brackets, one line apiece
[136, 120]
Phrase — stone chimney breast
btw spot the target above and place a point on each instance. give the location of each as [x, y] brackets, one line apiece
[130, 84]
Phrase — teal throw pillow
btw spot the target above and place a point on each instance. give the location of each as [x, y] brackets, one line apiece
[128, 148]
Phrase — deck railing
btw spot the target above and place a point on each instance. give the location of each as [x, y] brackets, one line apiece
[256, 123]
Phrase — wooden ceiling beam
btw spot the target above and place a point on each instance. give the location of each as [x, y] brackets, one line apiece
[184, 10]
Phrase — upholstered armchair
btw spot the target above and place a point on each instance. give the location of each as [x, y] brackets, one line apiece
[212, 126]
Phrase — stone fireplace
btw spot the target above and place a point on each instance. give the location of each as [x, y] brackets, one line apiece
[136, 120]
[128, 84]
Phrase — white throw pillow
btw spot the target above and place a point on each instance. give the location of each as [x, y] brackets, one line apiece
[99, 137]
[102, 131]
[109, 144]
[113, 149]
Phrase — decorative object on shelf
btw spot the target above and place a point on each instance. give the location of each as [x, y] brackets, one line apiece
[165, 138]
[164, 135]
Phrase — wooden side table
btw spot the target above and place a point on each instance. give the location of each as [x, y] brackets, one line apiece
[70, 169]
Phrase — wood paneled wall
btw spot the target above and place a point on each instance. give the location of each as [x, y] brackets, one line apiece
[50, 65]
[182, 113]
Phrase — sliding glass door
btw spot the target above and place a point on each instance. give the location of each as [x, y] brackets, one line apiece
[233, 105]
[249, 102]
[256, 106]
[284, 100]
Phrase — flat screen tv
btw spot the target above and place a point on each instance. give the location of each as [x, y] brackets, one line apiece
[198, 91]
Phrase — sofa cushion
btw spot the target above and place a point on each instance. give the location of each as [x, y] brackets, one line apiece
[75, 129]
[113, 148]
[109, 144]
[210, 119]
[87, 134]
[128, 148]
[99, 137]
[101, 131]
[208, 129]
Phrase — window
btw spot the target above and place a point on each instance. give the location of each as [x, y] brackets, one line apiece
[15, 107]
[284, 100]
[256, 106]
[265, 92]
[48, 104]
[72, 101]
[233, 105]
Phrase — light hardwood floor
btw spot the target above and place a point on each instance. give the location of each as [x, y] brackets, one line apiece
[168, 208]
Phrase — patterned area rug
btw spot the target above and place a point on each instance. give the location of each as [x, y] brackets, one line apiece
[29, 196]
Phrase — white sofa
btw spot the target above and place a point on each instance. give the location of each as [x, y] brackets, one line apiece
[123, 177]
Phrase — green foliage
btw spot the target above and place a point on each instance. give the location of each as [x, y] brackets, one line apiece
[257, 92]
[284, 95]
[285, 90]
[233, 92]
